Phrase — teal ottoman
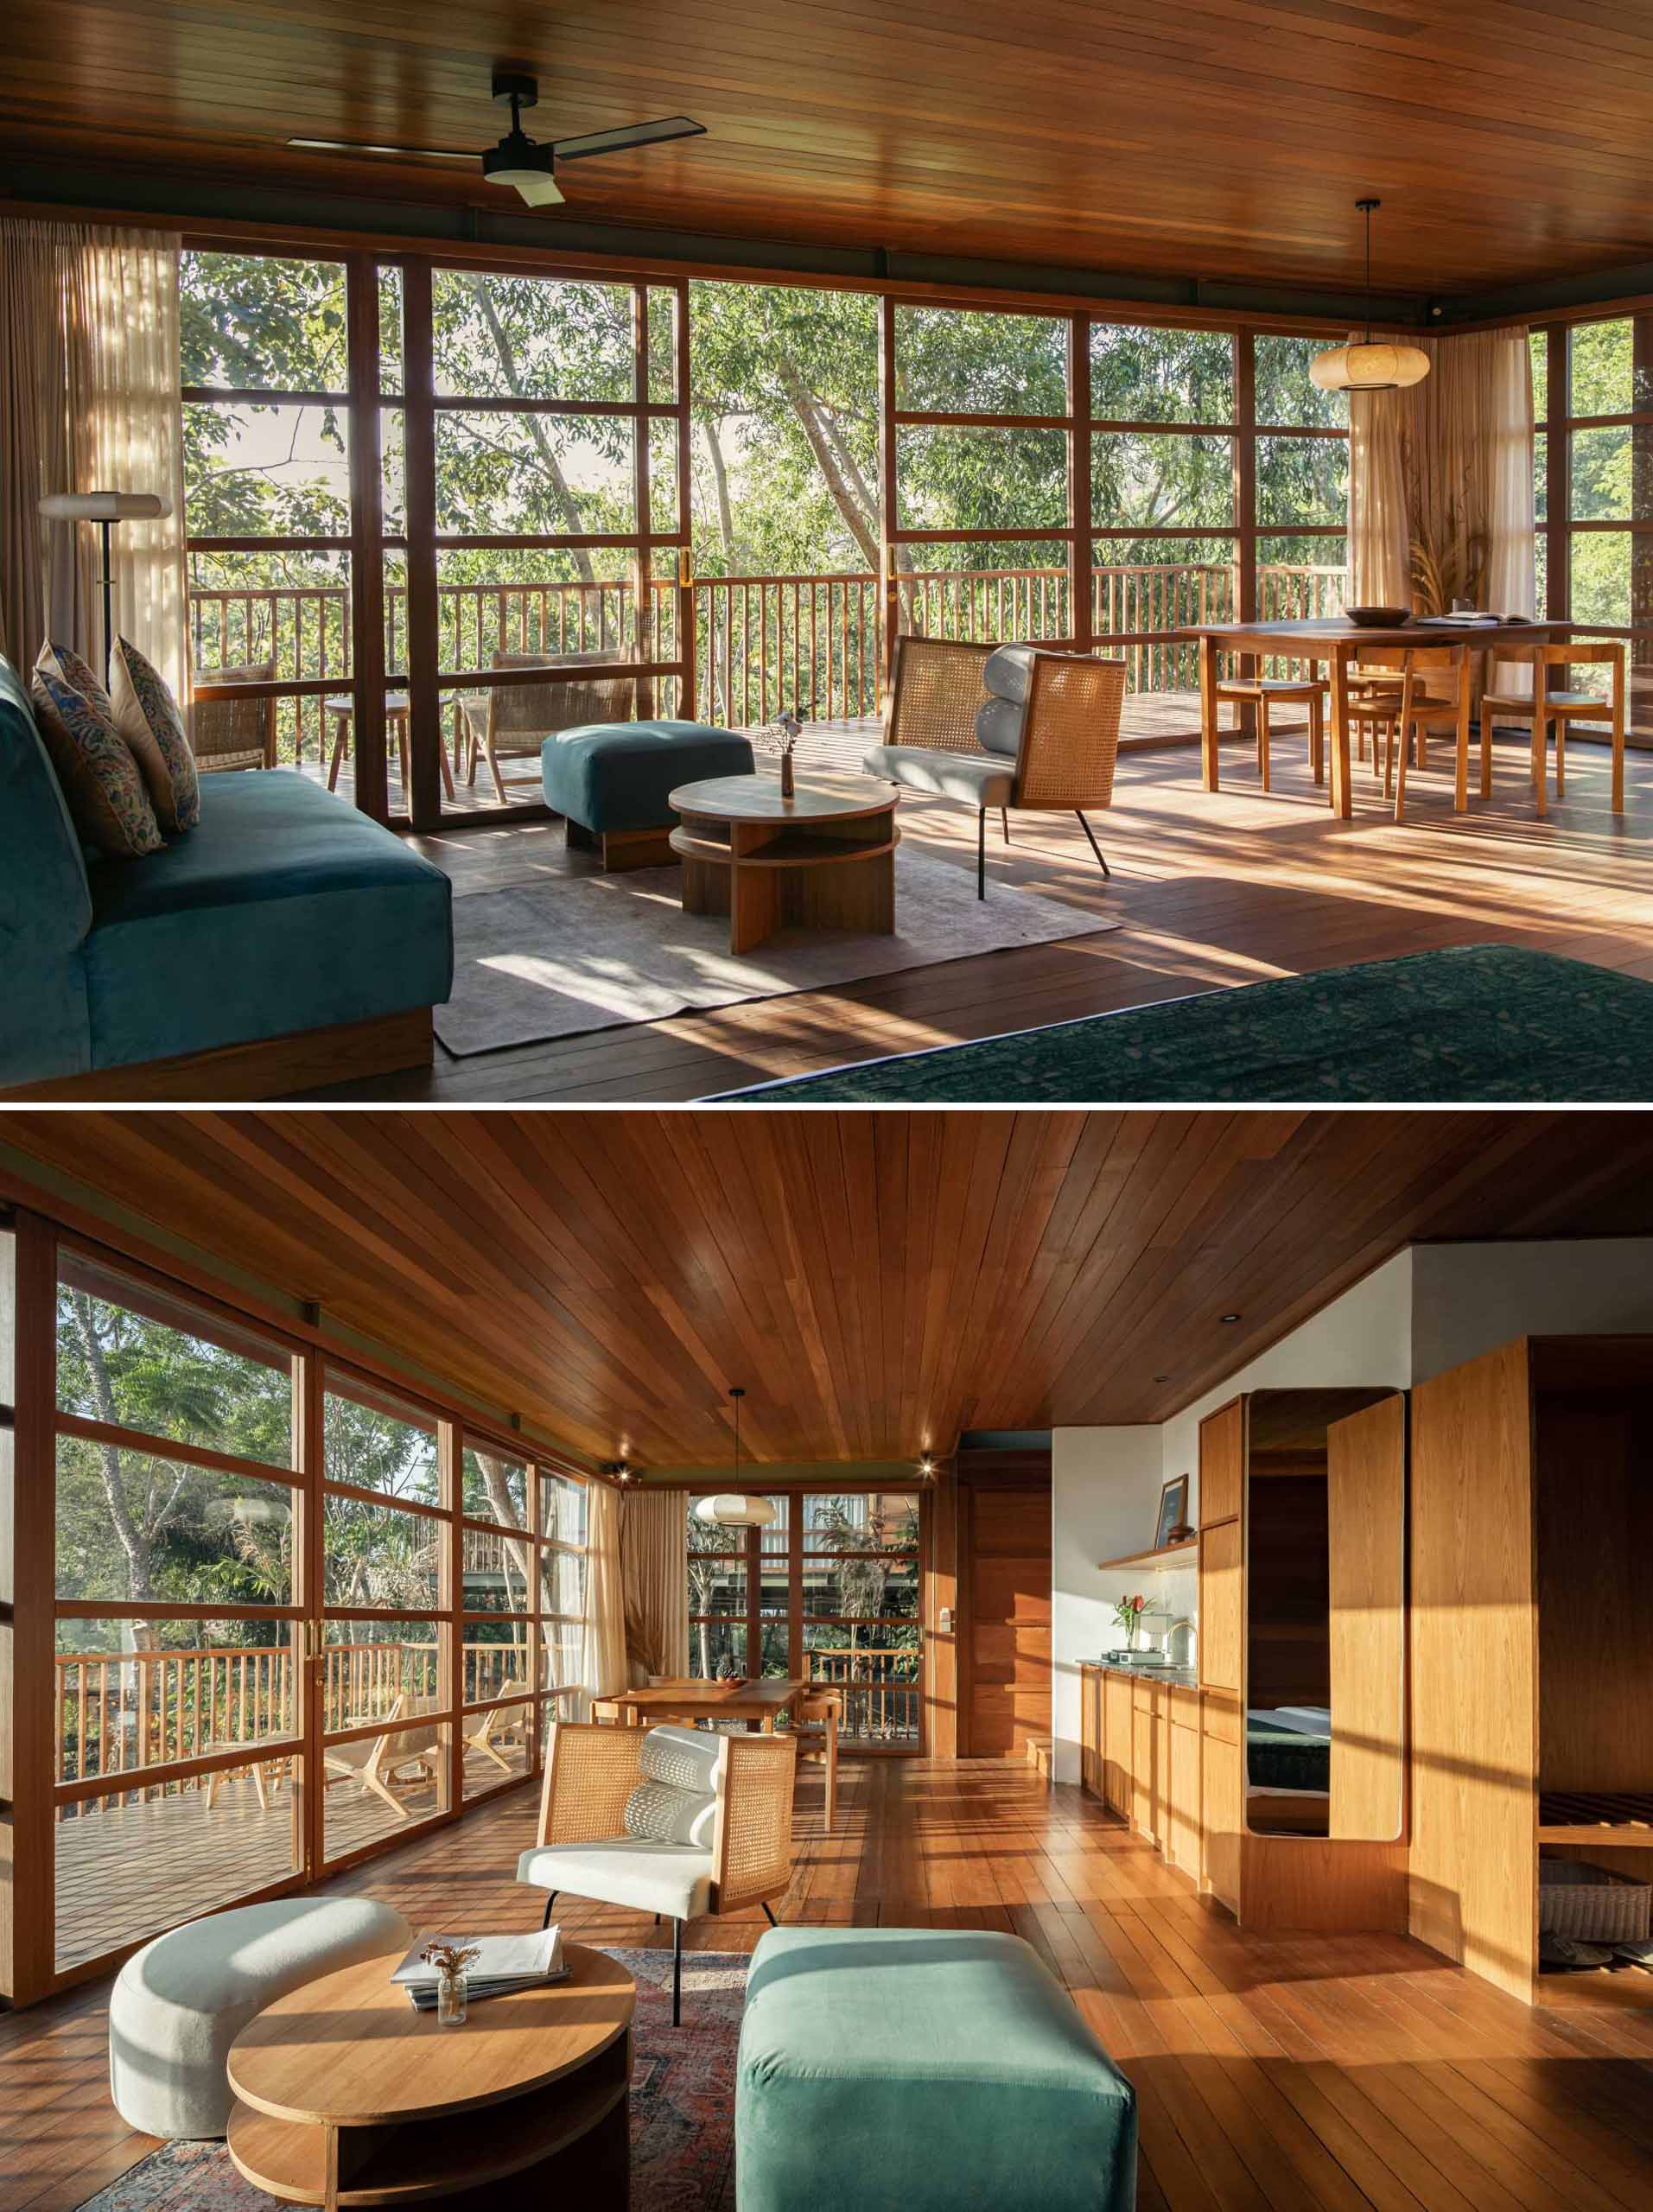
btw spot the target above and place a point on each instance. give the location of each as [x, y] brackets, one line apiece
[923, 2069]
[612, 780]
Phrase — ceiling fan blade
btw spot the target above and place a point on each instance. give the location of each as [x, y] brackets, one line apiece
[628, 135]
[400, 153]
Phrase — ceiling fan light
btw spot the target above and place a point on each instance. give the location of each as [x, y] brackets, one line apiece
[1370, 365]
[526, 167]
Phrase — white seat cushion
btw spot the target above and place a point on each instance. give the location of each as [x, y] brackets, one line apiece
[181, 2002]
[982, 779]
[672, 1878]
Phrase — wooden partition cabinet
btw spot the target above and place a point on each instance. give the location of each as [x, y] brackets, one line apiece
[1140, 1753]
[1531, 1638]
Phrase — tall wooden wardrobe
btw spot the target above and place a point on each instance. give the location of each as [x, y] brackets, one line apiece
[1531, 1635]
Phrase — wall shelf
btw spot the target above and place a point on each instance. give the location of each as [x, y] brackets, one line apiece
[1167, 1555]
[1615, 1816]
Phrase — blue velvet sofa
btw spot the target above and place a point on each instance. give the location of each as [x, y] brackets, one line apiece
[287, 936]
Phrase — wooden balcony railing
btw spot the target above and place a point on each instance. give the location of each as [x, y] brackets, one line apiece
[879, 1706]
[119, 1713]
[762, 643]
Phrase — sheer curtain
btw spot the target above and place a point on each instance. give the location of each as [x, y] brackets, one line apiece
[89, 375]
[605, 1641]
[654, 1558]
[1440, 481]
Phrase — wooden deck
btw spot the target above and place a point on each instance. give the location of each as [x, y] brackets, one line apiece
[1211, 889]
[1272, 2074]
[113, 1861]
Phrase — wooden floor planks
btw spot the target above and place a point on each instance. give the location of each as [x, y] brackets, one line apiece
[1276, 2074]
[1210, 890]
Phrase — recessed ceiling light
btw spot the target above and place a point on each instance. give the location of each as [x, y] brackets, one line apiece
[1228, 1317]
[1162, 1378]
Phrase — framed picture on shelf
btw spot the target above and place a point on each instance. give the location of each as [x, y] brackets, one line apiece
[1173, 1512]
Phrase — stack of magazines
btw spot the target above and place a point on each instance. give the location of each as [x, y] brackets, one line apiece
[502, 1963]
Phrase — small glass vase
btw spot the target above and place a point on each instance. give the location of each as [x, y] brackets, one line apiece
[452, 1990]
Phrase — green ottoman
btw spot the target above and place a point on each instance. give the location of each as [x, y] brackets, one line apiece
[612, 780]
[923, 2069]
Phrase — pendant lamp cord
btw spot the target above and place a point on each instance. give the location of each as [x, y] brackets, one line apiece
[1366, 207]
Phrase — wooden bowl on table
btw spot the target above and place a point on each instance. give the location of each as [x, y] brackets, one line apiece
[1378, 618]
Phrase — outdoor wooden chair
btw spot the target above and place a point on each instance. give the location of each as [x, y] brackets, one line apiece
[1544, 709]
[505, 1723]
[234, 733]
[512, 722]
[816, 1721]
[1065, 754]
[376, 1762]
[584, 1845]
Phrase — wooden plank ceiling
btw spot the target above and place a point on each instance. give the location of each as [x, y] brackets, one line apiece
[1508, 140]
[878, 1283]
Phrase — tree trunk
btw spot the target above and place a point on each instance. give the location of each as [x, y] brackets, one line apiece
[720, 479]
[860, 519]
[559, 483]
[133, 1540]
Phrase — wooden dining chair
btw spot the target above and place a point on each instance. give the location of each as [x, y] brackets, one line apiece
[1545, 710]
[816, 1721]
[1435, 695]
[1264, 693]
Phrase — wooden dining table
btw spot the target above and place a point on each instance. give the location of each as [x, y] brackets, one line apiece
[762, 1702]
[1337, 642]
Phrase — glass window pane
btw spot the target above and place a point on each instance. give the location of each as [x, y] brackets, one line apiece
[717, 1649]
[959, 361]
[393, 471]
[1143, 480]
[496, 1487]
[1540, 475]
[1144, 375]
[1612, 578]
[377, 1442]
[380, 1670]
[130, 1694]
[499, 1745]
[378, 1556]
[1602, 374]
[718, 1585]
[663, 343]
[562, 1581]
[127, 1867]
[663, 475]
[1004, 590]
[259, 617]
[133, 1526]
[1284, 392]
[257, 471]
[1538, 354]
[494, 1658]
[1301, 481]
[561, 1653]
[980, 479]
[1300, 578]
[516, 475]
[253, 322]
[1540, 558]
[861, 1588]
[499, 1572]
[390, 331]
[137, 1358]
[852, 1521]
[877, 1672]
[531, 337]
[1161, 584]
[1608, 485]
[563, 1509]
[379, 1785]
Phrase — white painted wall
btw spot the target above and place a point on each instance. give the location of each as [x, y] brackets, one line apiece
[1105, 1500]
[1468, 1297]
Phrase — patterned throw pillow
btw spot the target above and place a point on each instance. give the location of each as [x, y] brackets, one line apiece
[107, 802]
[656, 1813]
[147, 716]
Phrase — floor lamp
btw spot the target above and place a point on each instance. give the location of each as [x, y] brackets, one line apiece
[107, 508]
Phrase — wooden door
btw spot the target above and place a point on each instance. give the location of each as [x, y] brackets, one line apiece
[1005, 1594]
[1366, 1505]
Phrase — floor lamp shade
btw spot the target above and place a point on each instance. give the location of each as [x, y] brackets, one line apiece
[106, 509]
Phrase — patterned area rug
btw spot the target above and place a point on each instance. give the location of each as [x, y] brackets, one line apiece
[683, 2105]
[598, 952]
[1474, 1025]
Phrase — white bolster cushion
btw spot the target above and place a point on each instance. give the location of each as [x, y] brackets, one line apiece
[686, 1757]
[657, 1813]
[1008, 672]
[998, 727]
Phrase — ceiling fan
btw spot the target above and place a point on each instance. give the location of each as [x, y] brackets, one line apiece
[518, 160]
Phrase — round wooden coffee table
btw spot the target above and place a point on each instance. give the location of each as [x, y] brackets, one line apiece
[823, 859]
[347, 2096]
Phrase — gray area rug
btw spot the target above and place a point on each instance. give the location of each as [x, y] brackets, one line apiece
[558, 958]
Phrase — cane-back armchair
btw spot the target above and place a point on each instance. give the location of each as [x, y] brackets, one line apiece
[234, 733]
[1057, 729]
[512, 722]
[595, 1841]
